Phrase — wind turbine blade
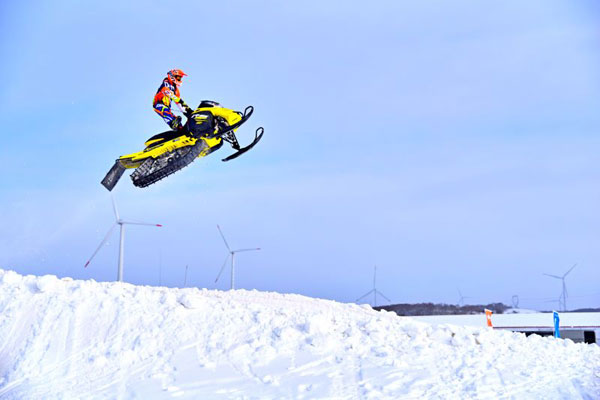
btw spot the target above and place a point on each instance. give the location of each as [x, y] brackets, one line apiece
[223, 236]
[139, 223]
[101, 244]
[553, 276]
[382, 295]
[222, 267]
[365, 295]
[567, 273]
[240, 250]
[114, 207]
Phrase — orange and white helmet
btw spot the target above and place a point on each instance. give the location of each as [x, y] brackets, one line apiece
[175, 75]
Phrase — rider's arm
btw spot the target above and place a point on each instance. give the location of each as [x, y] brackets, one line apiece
[180, 101]
[171, 95]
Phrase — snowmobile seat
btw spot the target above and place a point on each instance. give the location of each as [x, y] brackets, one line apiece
[165, 136]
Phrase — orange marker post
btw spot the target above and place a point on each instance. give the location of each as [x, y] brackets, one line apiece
[488, 317]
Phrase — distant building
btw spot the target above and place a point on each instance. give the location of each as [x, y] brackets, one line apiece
[577, 326]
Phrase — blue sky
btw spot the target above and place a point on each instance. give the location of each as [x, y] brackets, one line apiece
[452, 145]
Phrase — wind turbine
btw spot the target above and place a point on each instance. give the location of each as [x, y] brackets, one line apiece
[232, 255]
[515, 301]
[121, 223]
[461, 298]
[562, 300]
[374, 291]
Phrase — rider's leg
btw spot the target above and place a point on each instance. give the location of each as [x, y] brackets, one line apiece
[166, 114]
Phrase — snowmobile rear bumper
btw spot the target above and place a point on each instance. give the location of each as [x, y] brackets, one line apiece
[113, 176]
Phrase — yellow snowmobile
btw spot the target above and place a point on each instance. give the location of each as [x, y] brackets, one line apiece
[205, 131]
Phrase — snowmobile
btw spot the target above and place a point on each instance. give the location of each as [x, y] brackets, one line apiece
[207, 127]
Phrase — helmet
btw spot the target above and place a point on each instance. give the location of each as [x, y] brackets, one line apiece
[174, 76]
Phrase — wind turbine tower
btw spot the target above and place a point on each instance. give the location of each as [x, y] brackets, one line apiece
[121, 223]
[374, 291]
[562, 300]
[232, 255]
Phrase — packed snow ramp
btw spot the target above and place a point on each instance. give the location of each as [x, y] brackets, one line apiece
[65, 339]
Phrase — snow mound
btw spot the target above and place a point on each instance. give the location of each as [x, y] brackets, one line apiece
[62, 338]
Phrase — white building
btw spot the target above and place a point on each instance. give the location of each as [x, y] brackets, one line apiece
[579, 327]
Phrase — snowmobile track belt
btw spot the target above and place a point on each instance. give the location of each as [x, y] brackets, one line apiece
[153, 170]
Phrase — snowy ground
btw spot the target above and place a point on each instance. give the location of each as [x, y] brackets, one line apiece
[64, 339]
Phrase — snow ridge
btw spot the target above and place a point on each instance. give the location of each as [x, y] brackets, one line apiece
[61, 338]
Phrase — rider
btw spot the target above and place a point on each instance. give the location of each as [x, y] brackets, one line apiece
[167, 92]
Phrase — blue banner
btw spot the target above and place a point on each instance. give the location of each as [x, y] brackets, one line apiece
[556, 325]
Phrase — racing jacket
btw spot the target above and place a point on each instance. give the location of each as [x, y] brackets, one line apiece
[166, 93]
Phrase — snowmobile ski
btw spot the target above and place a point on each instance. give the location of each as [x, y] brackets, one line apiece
[257, 136]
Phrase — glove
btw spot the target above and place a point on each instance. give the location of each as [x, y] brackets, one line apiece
[186, 109]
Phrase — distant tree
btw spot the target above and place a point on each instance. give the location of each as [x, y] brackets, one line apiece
[441, 309]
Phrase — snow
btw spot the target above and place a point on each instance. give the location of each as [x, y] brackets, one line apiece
[65, 339]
